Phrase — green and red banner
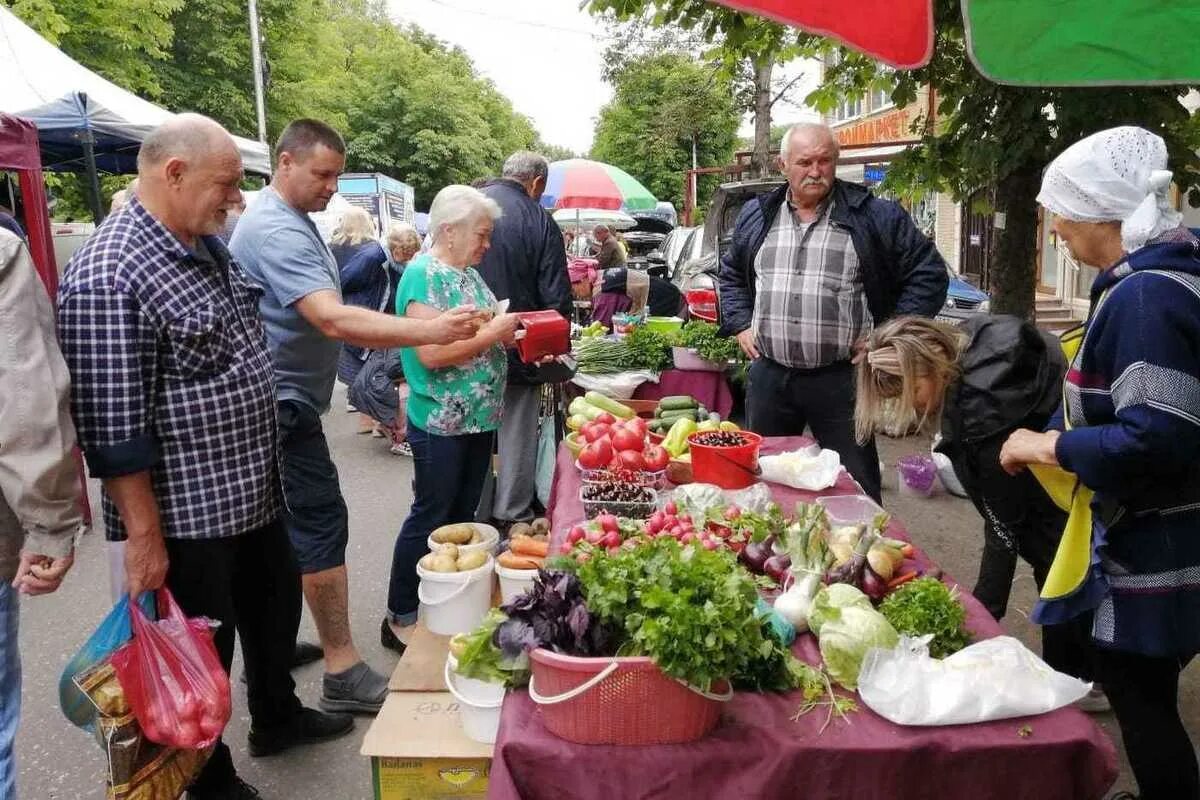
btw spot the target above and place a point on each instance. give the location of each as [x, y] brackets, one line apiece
[897, 32]
[1084, 42]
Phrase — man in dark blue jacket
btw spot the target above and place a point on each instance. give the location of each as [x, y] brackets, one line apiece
[527, 265]
[811, 268]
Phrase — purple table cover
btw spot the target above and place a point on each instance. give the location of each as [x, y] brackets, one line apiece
[758, 752]
[711, 389]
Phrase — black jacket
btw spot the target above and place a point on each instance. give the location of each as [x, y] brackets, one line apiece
[526, 262]
[902, 270]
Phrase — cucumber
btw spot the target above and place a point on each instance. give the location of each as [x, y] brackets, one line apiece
[672, 416]
[677, 402]
[606, 403]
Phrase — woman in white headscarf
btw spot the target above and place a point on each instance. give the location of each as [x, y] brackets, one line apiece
[1132, 434]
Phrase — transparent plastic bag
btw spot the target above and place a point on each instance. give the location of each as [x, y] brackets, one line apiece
[173, 679]
[113, 631]
[993, 679]
[809, 468]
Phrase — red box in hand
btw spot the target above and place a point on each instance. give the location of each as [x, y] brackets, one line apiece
[547, 333]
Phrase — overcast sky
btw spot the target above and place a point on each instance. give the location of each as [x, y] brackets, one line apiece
[544, 55]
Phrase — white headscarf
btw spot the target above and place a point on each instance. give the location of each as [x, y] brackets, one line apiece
[1115, 175]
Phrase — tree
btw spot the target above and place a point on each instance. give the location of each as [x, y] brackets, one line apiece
[1002, 137]
[746, 47]
[553, 152]
[663, 107]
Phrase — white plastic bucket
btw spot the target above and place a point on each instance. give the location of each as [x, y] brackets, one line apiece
[455, 602]
[479, 704]
[514, 581]
[490, 536]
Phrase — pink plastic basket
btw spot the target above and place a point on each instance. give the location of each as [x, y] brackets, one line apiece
[624, 701]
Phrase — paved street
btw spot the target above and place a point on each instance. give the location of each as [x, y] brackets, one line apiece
[59, 762]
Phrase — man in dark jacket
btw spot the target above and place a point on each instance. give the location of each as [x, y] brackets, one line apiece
[527, 265]
[811, 268]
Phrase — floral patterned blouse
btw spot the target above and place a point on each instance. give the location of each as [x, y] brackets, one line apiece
[451, 401]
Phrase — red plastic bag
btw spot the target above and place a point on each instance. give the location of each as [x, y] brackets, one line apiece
[172, 677]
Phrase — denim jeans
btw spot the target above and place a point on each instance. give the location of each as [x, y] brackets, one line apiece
[448, 473]
[10, 689]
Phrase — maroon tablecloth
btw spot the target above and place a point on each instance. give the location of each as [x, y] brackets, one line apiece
[759, 752]
[710, 388]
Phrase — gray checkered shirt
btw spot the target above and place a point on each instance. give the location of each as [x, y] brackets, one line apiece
[811, 306]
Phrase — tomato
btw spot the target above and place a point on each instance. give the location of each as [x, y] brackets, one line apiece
[638, 425]
[625, 439]
[657, 458]
[632, 459]
[605, 418]
[595, 455]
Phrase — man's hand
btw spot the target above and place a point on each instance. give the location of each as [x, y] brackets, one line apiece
[1024, 447]
[453, 325]
[746, 340]
[145, 563]
[39, 574]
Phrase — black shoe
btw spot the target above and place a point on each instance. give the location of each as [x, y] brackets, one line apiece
[238, 790]
[309, 726]
[306, 653]
[388, 638]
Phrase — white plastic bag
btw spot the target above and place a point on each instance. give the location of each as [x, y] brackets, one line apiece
[994, 679]
[809, 468]
[617, 385]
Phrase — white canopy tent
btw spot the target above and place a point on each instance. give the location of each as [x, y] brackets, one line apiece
[84, 121]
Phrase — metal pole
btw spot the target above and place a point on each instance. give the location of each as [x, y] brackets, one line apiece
[256, 59]
[93, 176]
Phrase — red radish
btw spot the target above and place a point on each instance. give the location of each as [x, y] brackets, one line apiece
[594, 536]
[625, 439]
[732, 512]
[685, 517]
[605, 418]
[657, 519]
[687, 538]
[670, 508]
[612, 539]
[607, 522]
[676, 531]
[709, 544]
[577, 533]
[612, 551]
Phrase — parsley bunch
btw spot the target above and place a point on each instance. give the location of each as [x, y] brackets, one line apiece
[928, 606]
[702, 337]
[648, 349]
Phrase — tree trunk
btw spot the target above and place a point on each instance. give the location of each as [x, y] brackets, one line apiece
[761, 159]
[1011, 272]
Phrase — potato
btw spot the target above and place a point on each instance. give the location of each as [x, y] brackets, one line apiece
[475, 537]
[446, 549]
[473, 560]
[444, 563]
[541, 525]
[458, 533]
[520, 529]
[426, 561]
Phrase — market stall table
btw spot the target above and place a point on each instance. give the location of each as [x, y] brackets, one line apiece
[711, 389]
[759, 751]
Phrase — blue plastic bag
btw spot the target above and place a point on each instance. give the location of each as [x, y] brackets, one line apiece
[114, 631]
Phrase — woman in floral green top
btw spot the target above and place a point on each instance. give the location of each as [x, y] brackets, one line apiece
[456, 390]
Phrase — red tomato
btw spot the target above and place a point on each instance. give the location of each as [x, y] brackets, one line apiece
[595, 455]
[656, 458]
[605, 418]
[587, 432]
[632, 459]
[625, 439]
[638, 425]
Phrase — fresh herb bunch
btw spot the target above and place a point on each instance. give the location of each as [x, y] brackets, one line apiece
[479, 658]
[928, 606]
[703, 338]
[648, 349]
[689, 609]
[597, 356]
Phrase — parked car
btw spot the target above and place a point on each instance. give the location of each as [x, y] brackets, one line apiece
[699, 270]
[643, 244]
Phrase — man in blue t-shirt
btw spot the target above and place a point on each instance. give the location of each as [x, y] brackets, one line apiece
[307, 322]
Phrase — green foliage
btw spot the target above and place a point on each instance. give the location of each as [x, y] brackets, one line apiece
[661, 105]
[648, 349]
[702, 337]
[927, 606]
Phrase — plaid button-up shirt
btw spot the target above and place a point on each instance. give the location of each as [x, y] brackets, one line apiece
[811, 306]
[170, 373]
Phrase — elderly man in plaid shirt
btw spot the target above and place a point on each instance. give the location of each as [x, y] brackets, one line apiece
[173, 397]
[811, 268]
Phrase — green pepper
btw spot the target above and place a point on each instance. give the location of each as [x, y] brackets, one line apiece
[676, 441]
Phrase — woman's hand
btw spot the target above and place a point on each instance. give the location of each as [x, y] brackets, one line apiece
[1025, 447]
[502, 328]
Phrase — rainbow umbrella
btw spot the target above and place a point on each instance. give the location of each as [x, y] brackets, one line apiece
[579, 183]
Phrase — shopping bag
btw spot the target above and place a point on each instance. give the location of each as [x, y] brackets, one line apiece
[172, 677]
[112, 632]
[997, 678]
[547, 454]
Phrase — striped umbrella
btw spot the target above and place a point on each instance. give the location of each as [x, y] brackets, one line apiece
[579, 183]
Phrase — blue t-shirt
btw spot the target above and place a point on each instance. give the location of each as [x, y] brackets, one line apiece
[282, 251]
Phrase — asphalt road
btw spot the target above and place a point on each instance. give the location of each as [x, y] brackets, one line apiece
[59, 762]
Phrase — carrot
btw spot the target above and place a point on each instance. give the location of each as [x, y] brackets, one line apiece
[902, 579]
[908, 550]
[526, 546]
[510, 560]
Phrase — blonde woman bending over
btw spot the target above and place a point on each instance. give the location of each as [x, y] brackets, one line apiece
[976, 384]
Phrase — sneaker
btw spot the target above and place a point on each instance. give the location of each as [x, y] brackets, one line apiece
[350, 408]
[309, 726]
[358, 690]
[389, 639]
[402, 449]
[1094, 702]
[238, 790]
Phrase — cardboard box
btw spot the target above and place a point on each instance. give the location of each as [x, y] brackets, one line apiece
[422, 667]
[418, 750]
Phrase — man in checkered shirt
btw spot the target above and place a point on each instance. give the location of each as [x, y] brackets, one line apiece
[811, 267]
[173, 397]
